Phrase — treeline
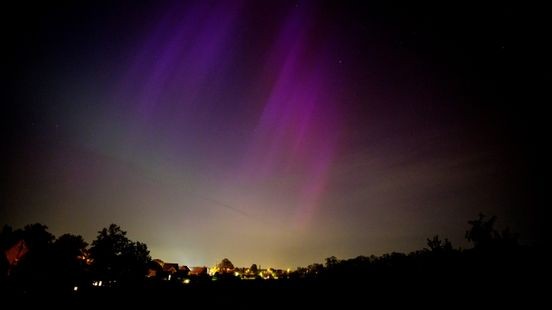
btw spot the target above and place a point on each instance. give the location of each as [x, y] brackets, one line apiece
[495, 262]
[35, 260]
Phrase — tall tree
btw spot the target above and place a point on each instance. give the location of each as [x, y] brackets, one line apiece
[482, 231]
[225, 265]
[254, 269]
[68, 260]
[115, 257]
[34, 267]
[484, 235]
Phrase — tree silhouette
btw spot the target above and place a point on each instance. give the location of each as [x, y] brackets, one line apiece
[483, 234]
[225, 265]
[437, 245]
[35, 266]
[331, 261]
[54, 266]
[482, 230]
[117, 258]
[69, 260]
[314, 269]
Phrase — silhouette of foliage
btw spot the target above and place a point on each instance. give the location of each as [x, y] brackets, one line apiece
[496, 261]
[118, 259]
[484, 235]
[437, 245]
[34, 267]
[331, 261]
[69, 260]
[482, 230]
[225, 265]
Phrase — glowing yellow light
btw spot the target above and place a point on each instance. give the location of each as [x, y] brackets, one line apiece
[76, 288]
[186, 281]
[237, 274]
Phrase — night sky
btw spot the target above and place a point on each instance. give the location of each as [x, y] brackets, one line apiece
[270, 132]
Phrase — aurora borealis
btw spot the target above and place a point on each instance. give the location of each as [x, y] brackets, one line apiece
[276, 133]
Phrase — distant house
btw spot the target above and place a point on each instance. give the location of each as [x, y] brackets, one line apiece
[183, 271]
[198, 271]
[159, 269]
[159, 262]
[155, 268]
[16, 252]
[170, 268]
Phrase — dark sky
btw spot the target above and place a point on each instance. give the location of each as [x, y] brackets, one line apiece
[270, 132]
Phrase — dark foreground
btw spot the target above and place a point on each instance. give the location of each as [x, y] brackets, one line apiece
[524, 290]
[498, 272]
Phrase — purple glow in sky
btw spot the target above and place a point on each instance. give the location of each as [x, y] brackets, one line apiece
[276, 133]
[183, 94]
